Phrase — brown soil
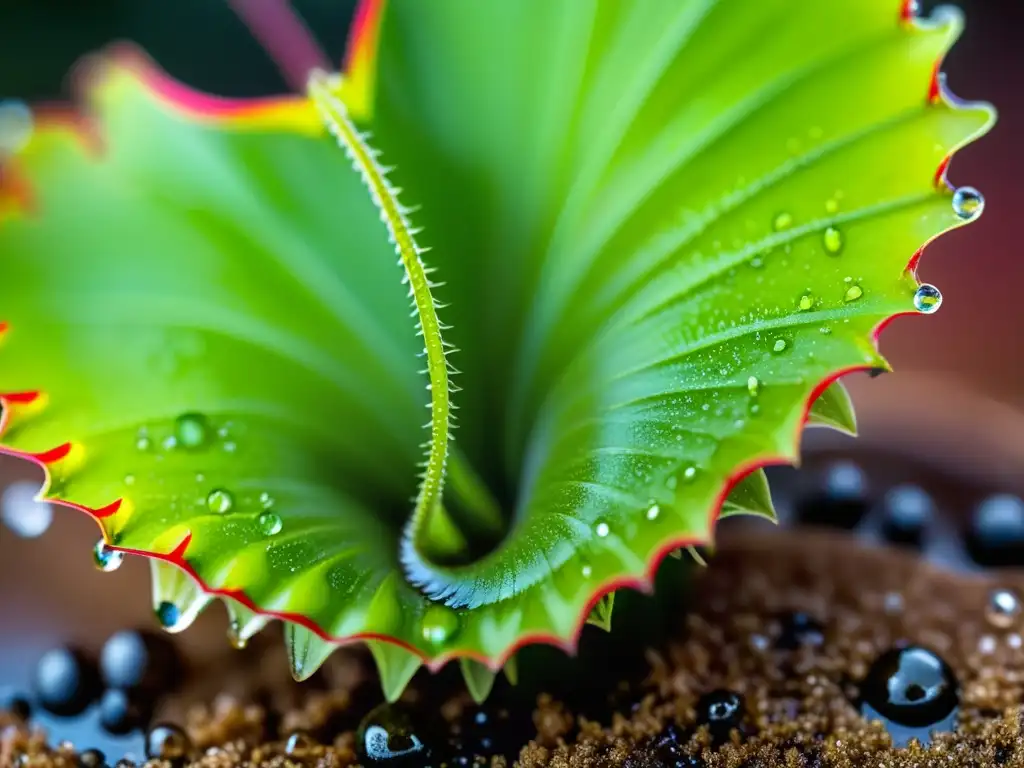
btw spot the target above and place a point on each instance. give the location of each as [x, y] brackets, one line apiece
[798, 703]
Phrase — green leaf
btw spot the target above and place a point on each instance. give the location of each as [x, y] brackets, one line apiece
[834, 408]
[662, 225]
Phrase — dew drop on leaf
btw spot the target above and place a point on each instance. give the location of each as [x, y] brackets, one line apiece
[653, 512]
[927, 299]
[689, 473]
[220, 501]
[602, 530]
[782, 221]
[968, 203]
[270, 524]
[753, 386]
[170, 443]
[440, 624]
[779, 346]
[105, 558]
[168, 614]
[142, 441]
[266, 500]
[832, 239]
[129, 479]
[853, 293]
[805, 303]
[192, 431]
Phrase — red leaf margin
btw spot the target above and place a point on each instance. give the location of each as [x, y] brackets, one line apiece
[297, 113]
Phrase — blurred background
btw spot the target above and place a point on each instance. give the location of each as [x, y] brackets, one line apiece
[956, 401]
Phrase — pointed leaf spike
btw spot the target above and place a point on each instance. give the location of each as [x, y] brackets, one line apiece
[479, 679]
[177, 598]
[601, 614]
[243, 623]
[307, 651]
[834, 409]
[395, 665]
[750, 496]
[511, 670]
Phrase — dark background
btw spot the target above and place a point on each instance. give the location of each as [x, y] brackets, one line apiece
[957, 397]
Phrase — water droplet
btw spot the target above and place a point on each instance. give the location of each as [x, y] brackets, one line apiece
[907, 513]
[779, 346]
[799, 629]
[168, 614]
[805, 303]
[386, 737]
[299, 744]
[968, 203]
[587, 571]
[671, 482]
[653, 511]
[129, 479]
[721, 711]
[143, 443]
[266, 500]
[853, 293]
[440, 624]
[270, 524]
[927, 299]
[689, 474]
[782, 221]
[192, 431]
[200, 477]
[602, 530]
[170, 443]
[15, 126]
[832, 239]
[996, 534]
[1003, 608]
[105, 558]
[66, 682]
[167, 742]
[22, 514]
[753, 386]
[825, 330]
[230, 446]
[912, 691]
[220, 501]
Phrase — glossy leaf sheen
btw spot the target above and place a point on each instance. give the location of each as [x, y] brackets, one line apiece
[629, 205]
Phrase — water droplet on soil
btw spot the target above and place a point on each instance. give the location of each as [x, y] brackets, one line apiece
[1003, 608]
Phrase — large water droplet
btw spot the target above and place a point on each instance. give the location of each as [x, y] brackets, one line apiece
[913, 692]
[968, 203]
[270, 523]
[853, 293]
[832, 239]
[779, 346]
[167, 742]
[927, 299]
[440, 624]
[192, 431]
[105, 558]
[15, 126]
[22, 514]
[220, 501]
[782, 221]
